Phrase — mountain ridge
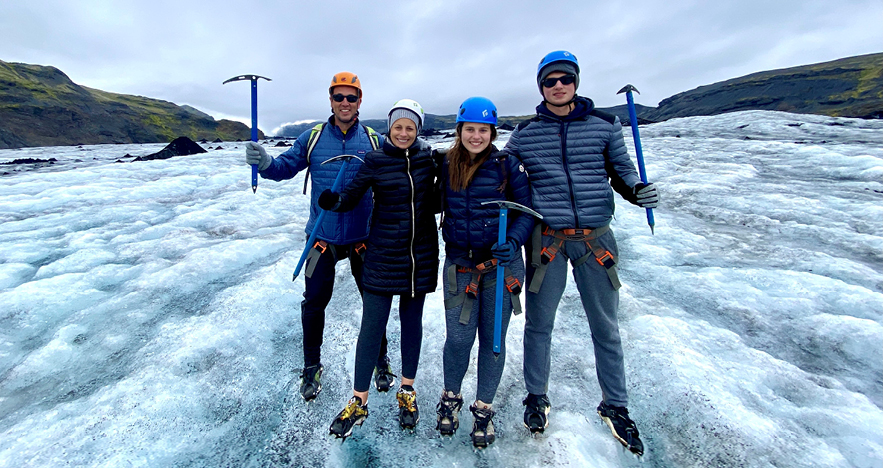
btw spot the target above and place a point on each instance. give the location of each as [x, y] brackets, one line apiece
[41, 106]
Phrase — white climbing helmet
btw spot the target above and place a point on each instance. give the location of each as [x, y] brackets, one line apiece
[411, 105]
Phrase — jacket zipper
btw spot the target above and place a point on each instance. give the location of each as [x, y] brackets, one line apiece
[413, 226]
[567, 173]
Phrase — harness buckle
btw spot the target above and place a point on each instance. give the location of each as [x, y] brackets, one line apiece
[472, 290]
[513, 285]
[321, 246]
[548, 254]
[606, 260]
[485, 266]
[360, 248]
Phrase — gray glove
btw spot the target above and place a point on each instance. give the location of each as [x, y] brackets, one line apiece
[646, 195]
[256, 154]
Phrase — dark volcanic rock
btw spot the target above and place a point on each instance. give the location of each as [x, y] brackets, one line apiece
[181, 146]
[32, 161]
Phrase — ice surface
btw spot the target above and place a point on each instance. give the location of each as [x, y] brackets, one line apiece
[148, 318]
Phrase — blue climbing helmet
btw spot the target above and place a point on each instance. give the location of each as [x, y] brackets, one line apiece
[478, 110]
[561, 61]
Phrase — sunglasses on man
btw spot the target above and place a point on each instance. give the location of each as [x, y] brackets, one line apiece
[564, 79]
[348, 97]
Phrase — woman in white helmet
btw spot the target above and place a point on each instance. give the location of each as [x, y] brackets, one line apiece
[402, 255]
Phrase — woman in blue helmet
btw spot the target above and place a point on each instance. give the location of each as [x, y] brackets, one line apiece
[474, 172]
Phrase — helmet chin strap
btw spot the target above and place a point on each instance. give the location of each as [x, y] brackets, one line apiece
[566, 104]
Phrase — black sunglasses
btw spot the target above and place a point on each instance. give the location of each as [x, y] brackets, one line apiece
[348, 97]
[564, 79]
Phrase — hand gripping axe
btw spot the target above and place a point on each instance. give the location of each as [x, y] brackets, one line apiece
[505, 206]
[254, 119]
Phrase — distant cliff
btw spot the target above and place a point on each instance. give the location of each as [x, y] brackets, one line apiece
[41, 106]
[849, 87]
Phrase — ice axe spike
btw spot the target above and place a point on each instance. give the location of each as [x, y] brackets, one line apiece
[505, 206]
[334, 188]
[254, 119]
[633, 119]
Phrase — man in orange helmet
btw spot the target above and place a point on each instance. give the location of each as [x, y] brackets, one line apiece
[340, 235]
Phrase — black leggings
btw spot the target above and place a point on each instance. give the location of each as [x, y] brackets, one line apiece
[375, 316]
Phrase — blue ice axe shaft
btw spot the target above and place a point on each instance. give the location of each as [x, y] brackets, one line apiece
[633, 118]
[254, 119]
[501, 269]
[334, 188]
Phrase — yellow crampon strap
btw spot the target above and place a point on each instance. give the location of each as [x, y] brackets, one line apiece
[542, 256]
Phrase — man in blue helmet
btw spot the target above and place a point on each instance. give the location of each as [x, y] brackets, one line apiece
[575, 157]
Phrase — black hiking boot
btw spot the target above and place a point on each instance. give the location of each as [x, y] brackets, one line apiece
[448, 409]
[536, 412]
[310, 381]
[409, 415]
[482, 426]
[623, 428]
[384, 379]
[354, 414]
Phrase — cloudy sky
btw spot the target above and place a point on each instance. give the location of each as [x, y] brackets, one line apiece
[437, 52]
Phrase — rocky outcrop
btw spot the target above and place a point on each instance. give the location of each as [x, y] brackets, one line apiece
[181, 146]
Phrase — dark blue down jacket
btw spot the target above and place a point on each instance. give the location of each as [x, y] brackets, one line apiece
[336, 228]
[470, 228]
[569, 159]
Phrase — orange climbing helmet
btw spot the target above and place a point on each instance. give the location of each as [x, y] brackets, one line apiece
[345, 79]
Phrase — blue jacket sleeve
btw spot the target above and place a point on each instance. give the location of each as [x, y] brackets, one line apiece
[288, 164]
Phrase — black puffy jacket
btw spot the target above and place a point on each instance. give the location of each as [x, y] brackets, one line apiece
[402, 256]
[470, 228]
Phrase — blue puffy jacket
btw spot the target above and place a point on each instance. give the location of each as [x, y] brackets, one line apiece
[336, 228]
[569, 160]
[470, 228]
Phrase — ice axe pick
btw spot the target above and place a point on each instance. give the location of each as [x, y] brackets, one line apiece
[254, 119]
[505, 206]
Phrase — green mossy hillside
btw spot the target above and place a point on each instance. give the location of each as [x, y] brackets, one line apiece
[41, 106]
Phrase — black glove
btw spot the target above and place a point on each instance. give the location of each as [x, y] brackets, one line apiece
[646, 195]
[328, 200]
[504, 253]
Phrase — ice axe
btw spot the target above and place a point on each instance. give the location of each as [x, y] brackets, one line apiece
[505, 206]
[633, 118]
[254, 119]
[334, 188]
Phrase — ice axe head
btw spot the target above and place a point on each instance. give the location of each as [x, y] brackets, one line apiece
[627, 88]
[342, 156]
[246, 77]
[514, 206]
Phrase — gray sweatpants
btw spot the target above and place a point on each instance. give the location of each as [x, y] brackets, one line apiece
[461, 338]
[600, 302]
